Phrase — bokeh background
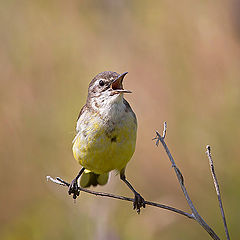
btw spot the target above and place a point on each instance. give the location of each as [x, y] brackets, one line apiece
[183, 60]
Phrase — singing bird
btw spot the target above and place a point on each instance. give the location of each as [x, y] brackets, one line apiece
[105, 134]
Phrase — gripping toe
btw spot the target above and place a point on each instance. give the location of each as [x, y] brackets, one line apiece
[138, 202]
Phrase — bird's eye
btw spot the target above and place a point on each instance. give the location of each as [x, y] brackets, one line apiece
[101, 83]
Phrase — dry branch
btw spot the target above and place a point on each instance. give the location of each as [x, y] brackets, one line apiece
[208, 152]
[194, 213]
[59, 181]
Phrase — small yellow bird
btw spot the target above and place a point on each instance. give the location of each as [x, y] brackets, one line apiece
[106, 134]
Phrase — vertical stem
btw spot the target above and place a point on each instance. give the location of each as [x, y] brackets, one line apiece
[208, 152]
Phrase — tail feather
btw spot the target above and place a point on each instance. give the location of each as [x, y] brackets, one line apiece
[90, 178]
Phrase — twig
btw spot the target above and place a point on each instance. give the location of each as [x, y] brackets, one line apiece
[195, 214]
[208, 152]
[110, 195]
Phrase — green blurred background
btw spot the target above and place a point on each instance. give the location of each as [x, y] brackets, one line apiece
[183, 60]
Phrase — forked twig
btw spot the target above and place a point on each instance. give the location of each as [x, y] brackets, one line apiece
[208, 152]
[59, 181]
[196, 215]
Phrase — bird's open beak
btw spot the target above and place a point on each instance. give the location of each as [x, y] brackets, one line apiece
[117, 85]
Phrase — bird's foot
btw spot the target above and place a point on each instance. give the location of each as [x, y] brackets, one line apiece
[74, 189]
[138, 202]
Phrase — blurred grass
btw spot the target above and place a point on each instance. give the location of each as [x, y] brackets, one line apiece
[183, 64]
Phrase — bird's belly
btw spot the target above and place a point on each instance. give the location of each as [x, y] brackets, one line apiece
[101, 151]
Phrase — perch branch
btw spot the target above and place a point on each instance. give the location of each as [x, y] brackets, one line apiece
[208, 152]
[110, 195]
[196, 215]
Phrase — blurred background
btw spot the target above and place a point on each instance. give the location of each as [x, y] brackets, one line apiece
[183, 61]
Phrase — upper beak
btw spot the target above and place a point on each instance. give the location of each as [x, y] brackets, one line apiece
[117, 84]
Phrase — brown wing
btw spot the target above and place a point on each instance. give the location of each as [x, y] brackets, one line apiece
[129, 109]
[81, 111]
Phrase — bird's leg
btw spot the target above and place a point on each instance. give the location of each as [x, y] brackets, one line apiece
[138, 199]
[73, 188]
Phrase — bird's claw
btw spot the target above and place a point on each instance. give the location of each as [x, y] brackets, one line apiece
[138, 202]
[74, 189]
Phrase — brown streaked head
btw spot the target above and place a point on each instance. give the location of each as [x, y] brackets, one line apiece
[107, 82]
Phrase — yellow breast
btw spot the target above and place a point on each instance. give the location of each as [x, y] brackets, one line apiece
[102, 146]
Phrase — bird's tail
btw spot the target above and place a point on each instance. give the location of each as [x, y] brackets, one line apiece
[89, 178]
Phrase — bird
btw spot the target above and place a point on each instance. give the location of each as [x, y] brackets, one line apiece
[106, 132]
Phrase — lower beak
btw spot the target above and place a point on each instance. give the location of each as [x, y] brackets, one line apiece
[121, 91]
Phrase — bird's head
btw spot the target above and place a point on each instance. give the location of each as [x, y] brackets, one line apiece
[106, 87]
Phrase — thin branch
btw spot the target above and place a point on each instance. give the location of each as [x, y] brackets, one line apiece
[195, 214]
[208, 152]
[110, 195]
